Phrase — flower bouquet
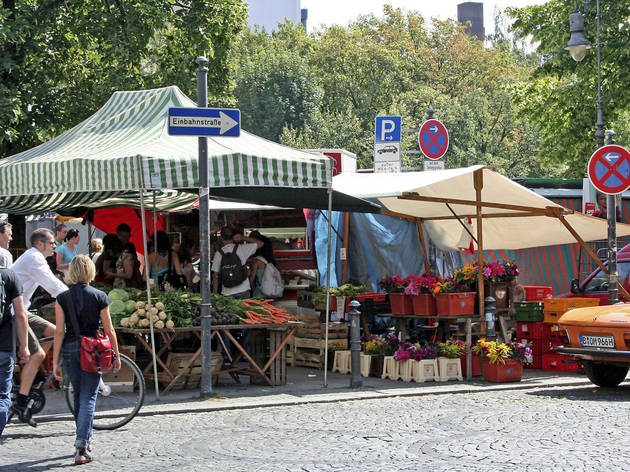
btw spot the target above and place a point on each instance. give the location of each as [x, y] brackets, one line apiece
[420, 289]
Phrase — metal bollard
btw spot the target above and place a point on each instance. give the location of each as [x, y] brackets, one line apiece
[355, 345]
[491, 334]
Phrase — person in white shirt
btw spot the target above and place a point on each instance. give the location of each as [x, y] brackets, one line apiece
[243, 251]
[6, 235]
[33, 271]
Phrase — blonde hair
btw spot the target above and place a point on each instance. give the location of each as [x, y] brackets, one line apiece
[96, 245]
[81, 270]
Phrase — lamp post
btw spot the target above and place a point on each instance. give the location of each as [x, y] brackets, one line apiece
[577, 47]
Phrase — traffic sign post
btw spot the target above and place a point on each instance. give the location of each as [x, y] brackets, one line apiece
[388, 129]
[433, 139]
[204, 122]
[609, 169]
[387, 136]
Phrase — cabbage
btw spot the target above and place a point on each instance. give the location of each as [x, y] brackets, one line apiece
[130, 306]
[119, 294]
[117, 307]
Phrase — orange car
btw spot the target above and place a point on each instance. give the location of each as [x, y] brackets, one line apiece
[601, 337]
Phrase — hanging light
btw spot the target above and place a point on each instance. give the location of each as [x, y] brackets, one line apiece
[577, 44]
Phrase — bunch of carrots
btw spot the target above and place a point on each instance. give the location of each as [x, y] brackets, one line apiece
[262, 311]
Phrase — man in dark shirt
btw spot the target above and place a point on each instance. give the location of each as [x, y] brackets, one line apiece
[12, 289]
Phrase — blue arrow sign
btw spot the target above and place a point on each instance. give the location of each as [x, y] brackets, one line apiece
[204, 122]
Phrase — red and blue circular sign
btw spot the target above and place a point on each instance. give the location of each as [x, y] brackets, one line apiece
[433, 139]
[609, 169]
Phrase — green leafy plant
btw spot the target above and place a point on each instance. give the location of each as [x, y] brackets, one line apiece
[452, 349]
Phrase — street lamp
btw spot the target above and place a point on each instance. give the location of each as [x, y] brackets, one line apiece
[577, 47]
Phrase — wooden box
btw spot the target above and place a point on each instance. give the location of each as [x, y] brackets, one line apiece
[125, 374]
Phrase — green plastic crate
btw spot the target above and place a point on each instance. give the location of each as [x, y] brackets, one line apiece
[528, 311]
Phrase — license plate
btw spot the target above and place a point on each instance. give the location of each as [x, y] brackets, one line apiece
[597, 341]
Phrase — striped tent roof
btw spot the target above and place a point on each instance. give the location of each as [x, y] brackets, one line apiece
[125, 146]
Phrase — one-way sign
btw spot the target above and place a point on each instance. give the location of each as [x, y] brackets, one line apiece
[204, 121]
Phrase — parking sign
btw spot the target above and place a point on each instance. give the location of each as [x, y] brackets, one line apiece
[388, 129]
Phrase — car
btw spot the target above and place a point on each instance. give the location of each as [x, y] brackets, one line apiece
[386, 149]
[600, 337]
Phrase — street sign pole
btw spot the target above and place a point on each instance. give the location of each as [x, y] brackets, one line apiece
[204, 237]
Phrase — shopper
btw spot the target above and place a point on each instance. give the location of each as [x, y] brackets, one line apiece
[32, 271]
[12, 313]
[6, 236]
[244, 251]
[165, 264]
[96, 249]
[258, 262]
[67, 251]
[90, 306]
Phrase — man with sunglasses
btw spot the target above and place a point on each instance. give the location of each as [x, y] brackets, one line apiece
[33, 271]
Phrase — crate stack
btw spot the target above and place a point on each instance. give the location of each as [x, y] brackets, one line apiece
[553, 309]
[529, 328]
[307, 348]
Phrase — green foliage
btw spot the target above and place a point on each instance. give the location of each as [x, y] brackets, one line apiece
[60, 61]
[561, 98]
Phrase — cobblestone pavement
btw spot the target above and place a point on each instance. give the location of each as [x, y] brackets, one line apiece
[556, 429]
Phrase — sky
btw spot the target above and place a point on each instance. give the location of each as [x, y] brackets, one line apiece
[342, 12]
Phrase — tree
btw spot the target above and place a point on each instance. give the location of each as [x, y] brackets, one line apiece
[60, 61]
[561, 98]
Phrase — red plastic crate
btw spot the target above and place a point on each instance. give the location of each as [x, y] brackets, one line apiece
[375, 297]
[549, 345]
[536, 292]
[529, 329]
[550, 332]
[554, 362]
[537, 347]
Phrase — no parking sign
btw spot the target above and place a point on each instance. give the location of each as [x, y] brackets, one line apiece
[433, 139]
[609, 169]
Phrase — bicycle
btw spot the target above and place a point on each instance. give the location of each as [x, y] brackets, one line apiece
[118, 400]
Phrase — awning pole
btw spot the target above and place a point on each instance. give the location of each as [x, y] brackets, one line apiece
[328, 284]
[147, 270]
[155, 277]
[478, 181]
[346, 233]
[427, 265]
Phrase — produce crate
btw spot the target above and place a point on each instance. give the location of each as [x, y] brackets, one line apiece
[307, 352]
[372, 296]
[555, 363]
[537, 352]
[554, 308]
[551, 332]
[526, 329]
[125, 374]
[305, 298]
[528, 311]
[336, 330]
[536, 292]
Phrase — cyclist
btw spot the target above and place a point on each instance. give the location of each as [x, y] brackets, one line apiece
[10, 294]
[32, 271]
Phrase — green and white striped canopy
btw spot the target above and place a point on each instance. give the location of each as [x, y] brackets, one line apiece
[125, 147]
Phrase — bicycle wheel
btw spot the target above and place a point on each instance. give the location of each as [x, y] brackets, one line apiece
[120, 396]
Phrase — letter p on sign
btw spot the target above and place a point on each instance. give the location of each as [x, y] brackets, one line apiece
[388, 129]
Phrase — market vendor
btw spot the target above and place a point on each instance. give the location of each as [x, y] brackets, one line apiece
[234, 281]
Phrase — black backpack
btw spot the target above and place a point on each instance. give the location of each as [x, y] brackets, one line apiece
[232, 271]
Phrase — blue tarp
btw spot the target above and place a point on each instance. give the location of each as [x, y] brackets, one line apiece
[378, 246]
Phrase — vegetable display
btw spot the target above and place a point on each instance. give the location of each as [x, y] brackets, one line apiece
[181, 309]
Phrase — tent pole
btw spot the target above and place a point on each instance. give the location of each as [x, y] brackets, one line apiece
[155, 278]
[147, 271]
[328, 284]
[478, 181]
[427, 265]
[346, 231]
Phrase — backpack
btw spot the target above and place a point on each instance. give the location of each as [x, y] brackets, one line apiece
[232, 270]
[272, 285]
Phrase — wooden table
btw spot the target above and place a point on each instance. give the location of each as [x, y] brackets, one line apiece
[280, 335]
[402, 327]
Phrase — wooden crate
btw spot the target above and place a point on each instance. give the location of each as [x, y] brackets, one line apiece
[318, 330]
[125, 374]
[306, 352]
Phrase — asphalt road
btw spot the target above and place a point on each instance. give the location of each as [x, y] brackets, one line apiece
[556, 429]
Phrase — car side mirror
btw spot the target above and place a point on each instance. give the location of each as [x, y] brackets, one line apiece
[575, 286]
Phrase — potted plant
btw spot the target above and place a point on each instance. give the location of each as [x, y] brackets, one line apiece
[425, 365]
[499, 280]
[503, 362]
[453, 296]
[372, 347]
[449, 362]
[342, 295]
[420, 289]
[394, 286]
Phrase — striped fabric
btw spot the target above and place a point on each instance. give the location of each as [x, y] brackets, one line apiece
[125, 146]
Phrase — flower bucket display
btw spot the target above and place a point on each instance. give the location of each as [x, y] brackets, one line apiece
[510, 371]
[454, 304]
[423, 304]
[476, 366]
[450, 369]
[401, 304]
[376, 366]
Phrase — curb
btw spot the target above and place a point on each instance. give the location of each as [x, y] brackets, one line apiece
[151, 410]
